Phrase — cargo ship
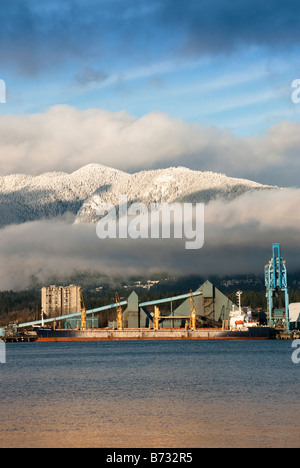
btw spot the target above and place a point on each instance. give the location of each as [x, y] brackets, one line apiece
[239, 326]
[48, 335]
[107, 334]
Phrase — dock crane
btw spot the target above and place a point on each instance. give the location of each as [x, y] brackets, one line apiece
[193, 312]
[275, 282]
[83, 312]
[156, 318]
[119, 313]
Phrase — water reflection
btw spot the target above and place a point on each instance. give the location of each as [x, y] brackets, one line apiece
[149, 394]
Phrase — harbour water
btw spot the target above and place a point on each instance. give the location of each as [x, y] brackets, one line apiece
[150, 394]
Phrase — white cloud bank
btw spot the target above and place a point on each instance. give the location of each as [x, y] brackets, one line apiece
[64, 138]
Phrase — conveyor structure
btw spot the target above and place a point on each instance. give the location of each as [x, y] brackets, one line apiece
[117, 305]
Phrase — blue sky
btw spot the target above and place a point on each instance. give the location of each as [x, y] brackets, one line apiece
[223, 64]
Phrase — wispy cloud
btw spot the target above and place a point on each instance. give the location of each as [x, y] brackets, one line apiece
[90, 76]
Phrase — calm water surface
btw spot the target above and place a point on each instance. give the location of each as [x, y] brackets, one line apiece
[150, 394]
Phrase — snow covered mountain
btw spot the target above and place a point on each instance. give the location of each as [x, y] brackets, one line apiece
[27, 198]
[175, 184]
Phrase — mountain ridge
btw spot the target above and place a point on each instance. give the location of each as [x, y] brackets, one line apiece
[26, 198]
[171, 185]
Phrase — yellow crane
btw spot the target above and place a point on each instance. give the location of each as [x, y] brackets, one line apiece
[83, 312]
[156, 318]
[119, 313]
[193, 312]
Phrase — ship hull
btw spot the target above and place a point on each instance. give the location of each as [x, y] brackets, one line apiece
[45, 334]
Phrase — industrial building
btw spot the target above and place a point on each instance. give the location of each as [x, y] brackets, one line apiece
[58, 301]
[211, 305]
[212, 308]
[294, 313]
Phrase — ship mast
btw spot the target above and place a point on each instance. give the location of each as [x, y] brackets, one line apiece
[239, 294]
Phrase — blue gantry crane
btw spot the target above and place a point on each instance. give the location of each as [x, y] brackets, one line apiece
[276, 283]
